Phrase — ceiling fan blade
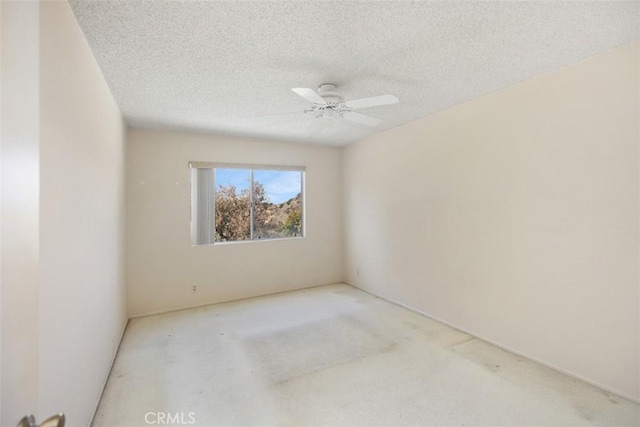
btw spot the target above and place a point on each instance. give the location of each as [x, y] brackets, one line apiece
[310, 95]
[361, 118]
[373, 101]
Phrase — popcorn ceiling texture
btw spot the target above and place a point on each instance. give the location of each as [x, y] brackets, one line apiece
[218, 66]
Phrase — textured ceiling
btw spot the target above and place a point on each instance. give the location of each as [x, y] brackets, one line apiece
[218, 66]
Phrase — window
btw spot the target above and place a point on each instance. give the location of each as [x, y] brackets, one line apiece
[231, 203]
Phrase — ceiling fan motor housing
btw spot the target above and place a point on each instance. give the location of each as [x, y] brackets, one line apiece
[329, 93]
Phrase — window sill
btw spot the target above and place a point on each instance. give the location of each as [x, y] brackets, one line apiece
[249, 241]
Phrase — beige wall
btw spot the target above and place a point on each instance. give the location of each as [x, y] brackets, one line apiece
[514, 217]
[82, 297]
[20, 189]
[63, 296]
[162, 266]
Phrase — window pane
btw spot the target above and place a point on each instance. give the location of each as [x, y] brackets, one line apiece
[277, 197]
[233, 213]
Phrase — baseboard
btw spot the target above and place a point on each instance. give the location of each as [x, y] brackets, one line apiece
[104, 382]
[503, 347]
[174, 309]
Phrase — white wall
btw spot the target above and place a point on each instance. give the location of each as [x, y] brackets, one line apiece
[63, 296]
[20, 189]
[514, 217]
[162, 266]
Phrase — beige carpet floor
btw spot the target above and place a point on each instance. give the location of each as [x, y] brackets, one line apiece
[334, 356]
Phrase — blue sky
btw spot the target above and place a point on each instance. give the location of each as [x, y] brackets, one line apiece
[280, 186]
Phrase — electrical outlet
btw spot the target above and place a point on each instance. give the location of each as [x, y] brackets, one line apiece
[194, 289]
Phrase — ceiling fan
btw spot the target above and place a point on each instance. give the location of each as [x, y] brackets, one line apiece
[328, 103]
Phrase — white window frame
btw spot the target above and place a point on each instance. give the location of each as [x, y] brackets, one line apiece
[251, 167]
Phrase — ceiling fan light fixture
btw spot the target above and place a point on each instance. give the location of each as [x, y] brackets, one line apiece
[330, 113]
